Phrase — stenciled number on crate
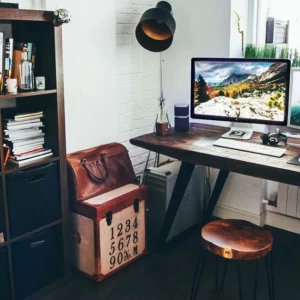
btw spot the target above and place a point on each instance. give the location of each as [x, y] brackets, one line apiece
[117, 253]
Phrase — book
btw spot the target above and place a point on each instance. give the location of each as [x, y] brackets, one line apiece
[29, 155]
[17, 127]
[17, 57]
[29, 116]
[12, 133]
[26, 134]
[25, 147]
[33, 57]
[9, 42]
[27, 141]
[13, 139]
[29, 51]
[21, 151]
[26, 152]
[12, 122]
[30, 160]
[24, 115]
[1, 51]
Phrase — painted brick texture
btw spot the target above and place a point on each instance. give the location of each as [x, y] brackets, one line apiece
[137, 80]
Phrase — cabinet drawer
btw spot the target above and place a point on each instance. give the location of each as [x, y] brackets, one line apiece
[4, 277]
[37, 261]
[33, 198]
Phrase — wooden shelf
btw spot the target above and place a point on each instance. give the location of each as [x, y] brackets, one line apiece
[27, 94]
[10, 167]
[10, 14]
[28, 234]
[25, 235]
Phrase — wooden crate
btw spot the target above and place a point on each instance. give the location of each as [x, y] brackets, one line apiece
[108, 231]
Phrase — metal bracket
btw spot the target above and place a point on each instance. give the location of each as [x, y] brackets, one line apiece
[109, 218]
[136, 205]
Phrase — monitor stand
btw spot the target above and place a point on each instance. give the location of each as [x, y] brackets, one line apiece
[239, 131]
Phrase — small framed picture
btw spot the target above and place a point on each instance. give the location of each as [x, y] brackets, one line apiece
[40, 82]
[294, 109]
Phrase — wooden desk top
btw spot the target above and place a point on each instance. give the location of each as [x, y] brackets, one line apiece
[180, 146]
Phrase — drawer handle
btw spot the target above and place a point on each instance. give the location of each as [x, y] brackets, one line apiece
[37, 244]
[36, 178]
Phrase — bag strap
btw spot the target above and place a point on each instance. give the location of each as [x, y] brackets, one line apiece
[104, 163]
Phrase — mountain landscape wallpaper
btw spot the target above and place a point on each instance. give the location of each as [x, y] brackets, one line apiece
[249, 90]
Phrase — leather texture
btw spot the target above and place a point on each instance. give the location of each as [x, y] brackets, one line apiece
[98, 170]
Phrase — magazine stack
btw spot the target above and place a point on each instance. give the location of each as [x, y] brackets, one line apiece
[25, 137]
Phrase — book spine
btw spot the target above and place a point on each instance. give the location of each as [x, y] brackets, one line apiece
[9, 44]
[1, 60]
[33, 57]
[29, 51]
[1, 51]
[17, 56]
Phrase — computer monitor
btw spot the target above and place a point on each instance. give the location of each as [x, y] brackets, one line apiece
[243, 91]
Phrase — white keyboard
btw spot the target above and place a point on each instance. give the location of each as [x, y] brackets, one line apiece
[249, 147]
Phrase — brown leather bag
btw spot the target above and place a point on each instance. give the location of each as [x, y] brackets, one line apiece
[98, 170]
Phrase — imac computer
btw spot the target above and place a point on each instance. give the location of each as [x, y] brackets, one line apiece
[241, 91]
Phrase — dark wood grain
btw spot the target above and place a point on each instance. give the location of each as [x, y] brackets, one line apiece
[11, 168]
[37, 27]
[12, 14]
[35, 231]
[62, 142]
[180, 146]
[26, 94]
[236, 239]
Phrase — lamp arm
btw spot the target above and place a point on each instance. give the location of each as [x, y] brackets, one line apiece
[161, 77]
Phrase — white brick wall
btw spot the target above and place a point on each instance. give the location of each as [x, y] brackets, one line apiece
[137, 80]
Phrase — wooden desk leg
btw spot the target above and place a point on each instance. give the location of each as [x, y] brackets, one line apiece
[181, 184]
[222, 177]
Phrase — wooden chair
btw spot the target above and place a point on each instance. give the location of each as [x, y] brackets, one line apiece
[236, 240]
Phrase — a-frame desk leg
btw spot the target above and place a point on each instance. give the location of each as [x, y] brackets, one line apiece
[182, 181]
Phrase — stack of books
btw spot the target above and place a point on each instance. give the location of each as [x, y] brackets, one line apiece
[25, 137]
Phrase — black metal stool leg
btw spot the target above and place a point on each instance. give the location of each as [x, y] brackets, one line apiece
[270, 276]
[256, 279]
[217, 273]
[197, 277]
[217, 288]
[239, 280]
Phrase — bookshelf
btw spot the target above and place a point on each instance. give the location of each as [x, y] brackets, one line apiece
[37, 27]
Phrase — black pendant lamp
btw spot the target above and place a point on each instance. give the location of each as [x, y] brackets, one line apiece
[156, 28]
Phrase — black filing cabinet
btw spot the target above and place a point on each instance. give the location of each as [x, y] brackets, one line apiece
[33, 198]
[4, 275]
[37, 261]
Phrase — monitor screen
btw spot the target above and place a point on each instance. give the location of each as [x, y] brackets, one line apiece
[240, 90]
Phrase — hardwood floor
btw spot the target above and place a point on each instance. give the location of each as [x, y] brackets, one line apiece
[169, 276]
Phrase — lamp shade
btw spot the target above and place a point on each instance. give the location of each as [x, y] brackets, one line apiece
[156, 28]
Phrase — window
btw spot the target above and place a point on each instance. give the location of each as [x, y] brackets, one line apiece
[261, 10]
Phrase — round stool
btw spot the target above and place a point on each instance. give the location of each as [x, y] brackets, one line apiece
[236, 240]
